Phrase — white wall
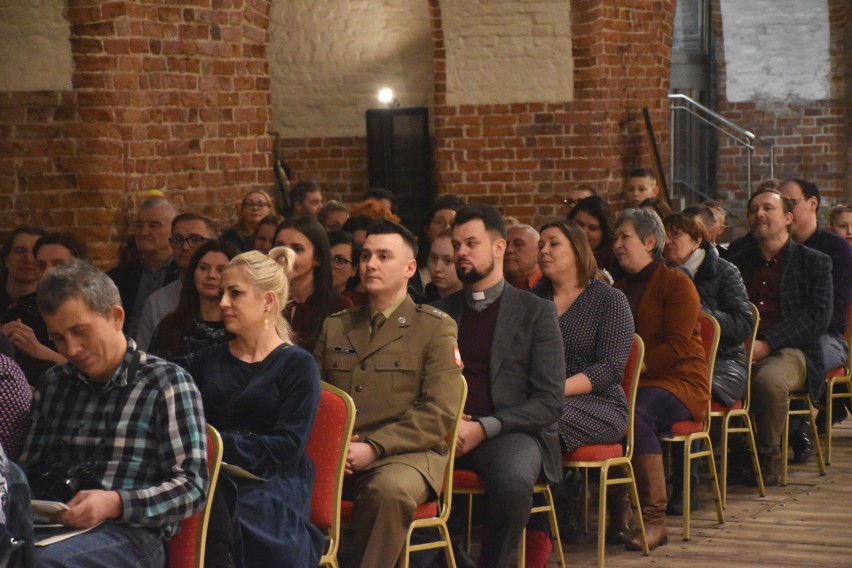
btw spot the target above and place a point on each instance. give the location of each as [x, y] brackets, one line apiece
[776, 49]
[328, 59]
[35, 53]
[504, 51]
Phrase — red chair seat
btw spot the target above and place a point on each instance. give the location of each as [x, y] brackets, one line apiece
[426, 510]
[838, 372]
[716, 406]
[686, 427]
[594, 452]
[466, 479]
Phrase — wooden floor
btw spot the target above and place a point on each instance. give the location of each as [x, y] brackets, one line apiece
[808, 523]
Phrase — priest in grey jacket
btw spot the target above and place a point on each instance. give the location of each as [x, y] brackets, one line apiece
[512, 351]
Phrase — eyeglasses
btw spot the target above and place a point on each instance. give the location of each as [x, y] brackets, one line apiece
[192, 240]
[570, 202]
[21, 251]
[340, 262]
[443, 223]
[255, 204]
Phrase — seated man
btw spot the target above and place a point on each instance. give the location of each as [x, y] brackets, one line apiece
[515, 368]
[399, 362]
[131, 424]
[791, 286]
[522, 269]
[138, 279]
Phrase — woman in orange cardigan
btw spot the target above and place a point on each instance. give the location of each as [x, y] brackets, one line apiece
[673, 384]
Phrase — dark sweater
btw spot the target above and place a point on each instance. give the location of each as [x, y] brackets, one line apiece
[476, 332]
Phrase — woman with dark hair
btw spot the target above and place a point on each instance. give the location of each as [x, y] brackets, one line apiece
[593, 215]
[344, 261]
[673, 385]
[597, 332]
[311, 285]
[22, 323]
[18, 277]
[439, 219]
[264, 233]
[657, 205]
[197, 320]
[723, 295]
[255, 206]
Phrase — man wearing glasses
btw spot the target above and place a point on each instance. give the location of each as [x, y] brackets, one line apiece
[189, 231]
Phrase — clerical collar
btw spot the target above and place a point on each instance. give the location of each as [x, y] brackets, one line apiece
[481, 300]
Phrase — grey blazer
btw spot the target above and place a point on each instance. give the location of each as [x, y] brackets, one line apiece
[527, 371]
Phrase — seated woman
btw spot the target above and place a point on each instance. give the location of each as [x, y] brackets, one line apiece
[311, 286]
[593, 215]
[723, 295]
[344, 261]
[261, 392]
[265, 232]
[673, 384]
[197, 320]
[442, 268]
[597, 330]
[25, 328]
[255, 206]
[16, 399]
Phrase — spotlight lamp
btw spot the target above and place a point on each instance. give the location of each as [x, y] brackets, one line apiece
[387, 97]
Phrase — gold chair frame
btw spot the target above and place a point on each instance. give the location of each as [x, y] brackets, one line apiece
[728, 414]
[445, 503]
[623, 461]
[703, 435]
[832, 382]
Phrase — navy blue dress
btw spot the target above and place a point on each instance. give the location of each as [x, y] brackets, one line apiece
[265, 412]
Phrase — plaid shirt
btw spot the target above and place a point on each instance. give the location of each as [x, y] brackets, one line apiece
[143, 438]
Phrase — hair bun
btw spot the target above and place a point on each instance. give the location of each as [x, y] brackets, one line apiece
[284, 257]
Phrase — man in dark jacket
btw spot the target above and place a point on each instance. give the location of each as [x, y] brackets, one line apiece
[791, 286]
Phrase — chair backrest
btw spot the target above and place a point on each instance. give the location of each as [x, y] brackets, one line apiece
[710, 335]
[630, 384]
[186, 548]
[327, 448]
[749, 353]
[445, 500]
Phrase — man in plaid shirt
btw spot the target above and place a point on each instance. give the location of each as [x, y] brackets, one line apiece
[133, 420]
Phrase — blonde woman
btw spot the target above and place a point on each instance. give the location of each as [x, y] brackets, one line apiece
[261, 392]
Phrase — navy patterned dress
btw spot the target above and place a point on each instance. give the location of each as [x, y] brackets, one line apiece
[597, 332]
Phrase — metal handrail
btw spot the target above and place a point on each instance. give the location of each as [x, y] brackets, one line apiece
[714, 120]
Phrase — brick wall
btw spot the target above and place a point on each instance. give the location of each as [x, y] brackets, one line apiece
[522, 156]
[338, 164]
[812, 138]
[171, 95]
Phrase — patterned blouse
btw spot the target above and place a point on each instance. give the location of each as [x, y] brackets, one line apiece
[16, 399]
[597, 332]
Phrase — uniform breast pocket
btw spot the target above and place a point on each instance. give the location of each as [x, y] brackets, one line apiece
[338, 369]
[404, 373]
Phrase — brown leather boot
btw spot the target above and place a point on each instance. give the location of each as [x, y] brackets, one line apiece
[651, 482]
[620, 525]
[770, 468]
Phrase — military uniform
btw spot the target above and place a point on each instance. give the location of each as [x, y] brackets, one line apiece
[406, 384]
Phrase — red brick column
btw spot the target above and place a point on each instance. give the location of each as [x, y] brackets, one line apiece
[170, 95]
[522, 157]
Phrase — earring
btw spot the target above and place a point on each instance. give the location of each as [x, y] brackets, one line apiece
[265, 322]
